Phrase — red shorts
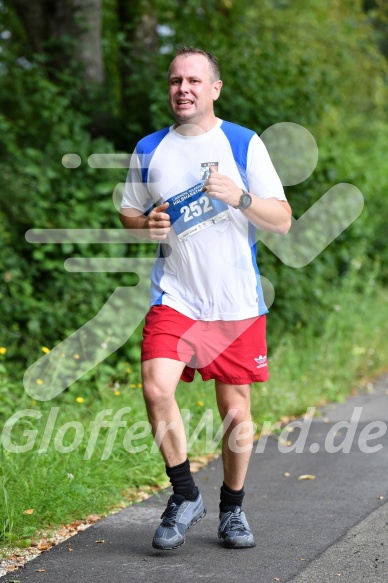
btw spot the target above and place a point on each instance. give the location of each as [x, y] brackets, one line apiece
[233, 352]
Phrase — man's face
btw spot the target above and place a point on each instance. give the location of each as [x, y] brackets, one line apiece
[191, 91]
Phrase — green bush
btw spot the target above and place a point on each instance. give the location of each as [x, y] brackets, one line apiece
[276, 65]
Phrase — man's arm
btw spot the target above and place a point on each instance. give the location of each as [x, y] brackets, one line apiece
[155, 226]
[268, 214]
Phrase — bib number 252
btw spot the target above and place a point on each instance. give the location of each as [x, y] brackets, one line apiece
[196, 209]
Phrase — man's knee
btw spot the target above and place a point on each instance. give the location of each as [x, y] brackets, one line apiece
[234, 405]
[160, 378]
[157, 393]
[157, 389]
[236, 415]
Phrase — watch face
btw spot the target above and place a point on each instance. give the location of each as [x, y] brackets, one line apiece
[245, 200]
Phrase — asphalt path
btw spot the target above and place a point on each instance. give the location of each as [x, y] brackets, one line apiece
[330, 528]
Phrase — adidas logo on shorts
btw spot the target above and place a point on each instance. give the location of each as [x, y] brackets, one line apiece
[261, 361]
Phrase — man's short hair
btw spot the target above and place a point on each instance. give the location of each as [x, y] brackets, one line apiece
[213, 62]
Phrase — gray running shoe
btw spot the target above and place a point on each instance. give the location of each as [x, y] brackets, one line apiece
[234, 530]
[179, 515]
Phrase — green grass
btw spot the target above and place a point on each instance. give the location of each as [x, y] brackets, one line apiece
[307, 368]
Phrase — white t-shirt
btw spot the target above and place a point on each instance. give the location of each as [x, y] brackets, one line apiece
[211, 271]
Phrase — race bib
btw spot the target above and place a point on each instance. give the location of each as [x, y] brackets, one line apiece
[193, 210]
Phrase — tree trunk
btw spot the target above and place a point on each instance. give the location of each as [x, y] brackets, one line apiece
[65, 29]
[137, 58]
[89, 26]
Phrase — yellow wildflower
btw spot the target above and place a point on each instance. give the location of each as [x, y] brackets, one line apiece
[3, 350]
[117, 393]
[133, 386]
[200, 403]
[358, 350]
[45, 349]
[139, 385]
[128, 370]
[39, 382]
[76, 356]
[80, 399]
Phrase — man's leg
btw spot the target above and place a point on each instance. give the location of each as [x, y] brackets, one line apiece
[160, 379]
[236, 449]
[185, 506]
[236, 452]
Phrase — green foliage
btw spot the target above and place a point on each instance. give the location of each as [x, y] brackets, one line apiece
[316, 65]
[41, 302]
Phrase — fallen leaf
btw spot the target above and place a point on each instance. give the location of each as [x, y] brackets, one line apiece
[195, 466]
[306, 477]
[29, 511]
[100, 541]
[40, 570]
[44, 545]
[380, 497]
[76, 523]
[264, 431]
[286, 442]
[12, 568]
[93, 517]
[286, 474]
[301, 559]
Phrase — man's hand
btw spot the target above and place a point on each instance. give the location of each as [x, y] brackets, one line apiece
[222, 187]
[158, 222]
[268, 214]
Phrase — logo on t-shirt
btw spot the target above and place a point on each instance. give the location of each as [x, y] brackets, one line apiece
[205, 169]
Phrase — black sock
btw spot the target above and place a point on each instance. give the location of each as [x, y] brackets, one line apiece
[230, 498]
[182, 481]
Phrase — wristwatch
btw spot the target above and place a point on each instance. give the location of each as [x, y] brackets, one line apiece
[245, 200]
